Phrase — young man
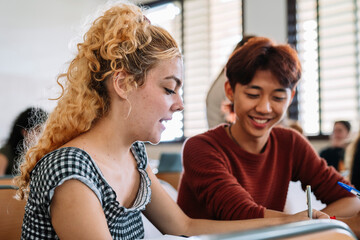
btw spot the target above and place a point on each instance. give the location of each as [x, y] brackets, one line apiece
[243, 170]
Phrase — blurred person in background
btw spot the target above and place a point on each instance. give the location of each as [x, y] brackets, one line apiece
[26, 123]
[339, 139]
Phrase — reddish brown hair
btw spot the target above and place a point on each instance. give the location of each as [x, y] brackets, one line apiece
[263, 54]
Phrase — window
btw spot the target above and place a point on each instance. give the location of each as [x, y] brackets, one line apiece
[328, 46]
[208, 33]
[212, 28]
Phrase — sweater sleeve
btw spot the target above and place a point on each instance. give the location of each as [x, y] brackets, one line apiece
[208, 174]
[313, 170]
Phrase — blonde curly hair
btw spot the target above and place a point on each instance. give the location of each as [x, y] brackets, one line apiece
[122, 39]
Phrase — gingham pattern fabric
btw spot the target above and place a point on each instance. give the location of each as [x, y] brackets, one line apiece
[73, 163]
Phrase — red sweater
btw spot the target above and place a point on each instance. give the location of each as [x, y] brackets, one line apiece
[222, 181]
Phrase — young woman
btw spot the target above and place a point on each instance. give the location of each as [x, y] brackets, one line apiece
[242, 170]
[334, 154]
[88, 177]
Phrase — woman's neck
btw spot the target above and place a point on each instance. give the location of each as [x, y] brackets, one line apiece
[104, 137]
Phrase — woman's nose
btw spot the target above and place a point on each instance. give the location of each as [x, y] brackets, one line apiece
[180, 108]
[178, 104]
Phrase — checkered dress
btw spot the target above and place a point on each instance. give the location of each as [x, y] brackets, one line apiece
[73, 163]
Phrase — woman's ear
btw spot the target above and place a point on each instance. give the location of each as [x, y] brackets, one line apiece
[119, 84]
[229, 92]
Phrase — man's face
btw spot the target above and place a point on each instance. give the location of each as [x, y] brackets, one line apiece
[259, 105]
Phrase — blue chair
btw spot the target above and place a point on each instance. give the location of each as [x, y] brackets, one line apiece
[170, 162]
[170, 168]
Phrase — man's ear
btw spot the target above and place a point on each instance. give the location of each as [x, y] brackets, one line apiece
[119, 84]
[229, 92]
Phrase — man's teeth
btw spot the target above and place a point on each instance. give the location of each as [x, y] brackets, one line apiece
[260, 121]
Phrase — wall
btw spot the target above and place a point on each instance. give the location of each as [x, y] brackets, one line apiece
[37, 39]
[266, 18]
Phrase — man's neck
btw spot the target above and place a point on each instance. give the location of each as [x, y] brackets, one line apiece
[246, 142]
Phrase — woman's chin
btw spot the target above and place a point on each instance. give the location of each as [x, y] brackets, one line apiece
[154, 143]
[155, 140]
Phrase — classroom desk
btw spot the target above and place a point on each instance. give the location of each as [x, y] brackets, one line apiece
[310, 229]
[304, 230]
[7, 180]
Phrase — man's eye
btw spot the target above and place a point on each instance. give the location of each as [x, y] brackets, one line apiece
[169, 91]
[252, 95]
[279, 99]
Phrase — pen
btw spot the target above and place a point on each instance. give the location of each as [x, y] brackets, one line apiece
[308, 200]
[350, 189]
